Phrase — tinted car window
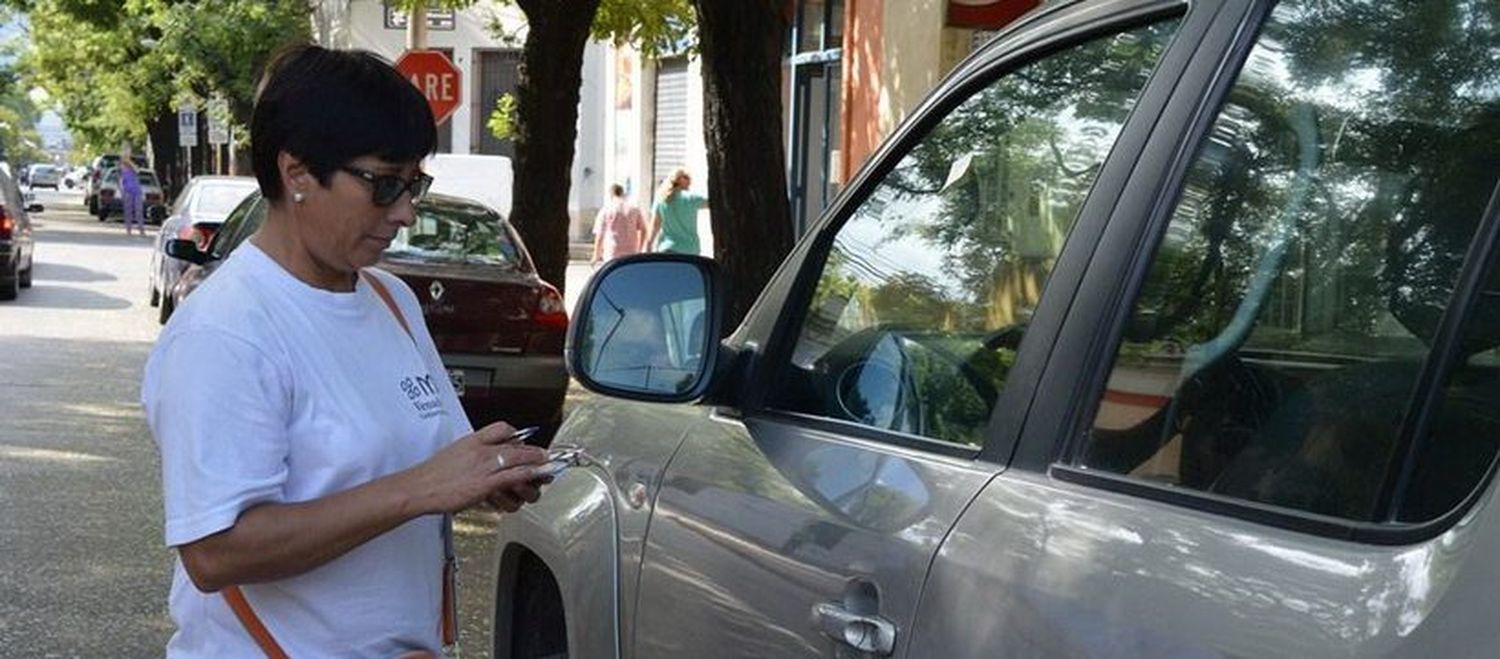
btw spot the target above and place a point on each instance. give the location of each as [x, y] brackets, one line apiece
[1273, 351]
[449, 230]
[243, 222]
[929, 285]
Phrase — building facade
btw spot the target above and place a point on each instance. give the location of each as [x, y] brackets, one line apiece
[488, 63]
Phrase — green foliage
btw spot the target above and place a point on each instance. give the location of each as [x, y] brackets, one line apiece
[654, 27]
[113, 67]
[502, 121]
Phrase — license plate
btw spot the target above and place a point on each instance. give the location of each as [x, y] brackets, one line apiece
[456, 376]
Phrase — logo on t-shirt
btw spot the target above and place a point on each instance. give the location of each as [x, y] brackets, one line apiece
[423, 394]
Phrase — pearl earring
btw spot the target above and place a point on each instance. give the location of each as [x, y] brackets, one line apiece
[297, 197]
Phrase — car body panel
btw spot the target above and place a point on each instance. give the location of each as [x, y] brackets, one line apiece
[618, 491]
[758, 522]
[1040, 567]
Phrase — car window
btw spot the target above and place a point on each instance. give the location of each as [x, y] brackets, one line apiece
[147, 179]
[458, 233]
[929, 285]
[1273, 351]
[217, 199]
[243, 222]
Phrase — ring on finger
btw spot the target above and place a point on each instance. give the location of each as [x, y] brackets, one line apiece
[500, 460]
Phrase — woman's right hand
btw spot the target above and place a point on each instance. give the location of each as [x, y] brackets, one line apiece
[470, 470]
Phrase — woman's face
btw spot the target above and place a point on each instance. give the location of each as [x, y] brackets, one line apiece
[684, 182]
[346, 230]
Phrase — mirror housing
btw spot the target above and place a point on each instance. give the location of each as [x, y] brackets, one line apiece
[647, 328]
[34, 207]
[187, 250]
[157, 214]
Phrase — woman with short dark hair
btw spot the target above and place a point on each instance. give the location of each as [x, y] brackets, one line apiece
[312, 446]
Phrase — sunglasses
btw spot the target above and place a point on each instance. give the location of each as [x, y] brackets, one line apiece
[387, 188]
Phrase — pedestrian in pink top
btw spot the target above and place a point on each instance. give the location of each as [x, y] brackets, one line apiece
[619, 229]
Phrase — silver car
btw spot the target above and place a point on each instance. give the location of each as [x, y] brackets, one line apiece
[1160, 329]
[196, 215]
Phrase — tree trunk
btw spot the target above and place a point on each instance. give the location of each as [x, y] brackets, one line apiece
[162, 131]
[547, 91]
[742, 42]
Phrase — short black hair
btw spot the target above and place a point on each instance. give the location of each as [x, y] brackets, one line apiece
[617, 190]
[327, 107]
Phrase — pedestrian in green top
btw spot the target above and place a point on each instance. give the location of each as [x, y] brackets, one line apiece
[674, 218]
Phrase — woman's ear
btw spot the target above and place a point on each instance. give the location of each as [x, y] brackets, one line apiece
[295, 175]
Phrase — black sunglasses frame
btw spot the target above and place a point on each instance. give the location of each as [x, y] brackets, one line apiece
[385, 189]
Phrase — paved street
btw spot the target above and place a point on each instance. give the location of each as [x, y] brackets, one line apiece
[86, 574]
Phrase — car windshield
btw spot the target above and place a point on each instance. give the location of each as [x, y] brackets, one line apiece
[217, 199]
[457, 233]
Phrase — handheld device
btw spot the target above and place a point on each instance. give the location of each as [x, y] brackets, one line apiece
[559, 460]
[524, 434]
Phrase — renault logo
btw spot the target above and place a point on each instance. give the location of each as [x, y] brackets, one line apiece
[436, 291]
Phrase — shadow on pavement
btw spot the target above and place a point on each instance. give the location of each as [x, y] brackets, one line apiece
[112, 237]
[60, 272]
[67, 297]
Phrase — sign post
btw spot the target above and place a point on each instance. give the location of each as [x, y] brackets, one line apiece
[218, 130]
[187, 135]
[436, 77]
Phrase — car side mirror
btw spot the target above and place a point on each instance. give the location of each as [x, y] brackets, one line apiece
[187, 250]
[157, 214]
[647, 328]
[35, 208]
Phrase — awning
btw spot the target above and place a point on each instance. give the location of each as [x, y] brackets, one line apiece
[987, 14]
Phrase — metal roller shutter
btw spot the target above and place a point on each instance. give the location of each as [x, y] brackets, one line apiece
[670, 133]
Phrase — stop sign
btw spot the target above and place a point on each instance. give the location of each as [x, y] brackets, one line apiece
[436, 77]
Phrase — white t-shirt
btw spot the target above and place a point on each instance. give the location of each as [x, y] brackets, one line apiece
[264, 389]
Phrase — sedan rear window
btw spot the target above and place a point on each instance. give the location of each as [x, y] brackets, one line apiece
[458, 233]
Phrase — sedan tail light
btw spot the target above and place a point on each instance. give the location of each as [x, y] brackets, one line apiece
[550, 312]
[7, 225]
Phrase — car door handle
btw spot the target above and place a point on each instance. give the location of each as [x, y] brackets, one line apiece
[871, 634]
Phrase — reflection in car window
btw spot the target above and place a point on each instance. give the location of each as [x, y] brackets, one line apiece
[459, 233]
[1274, 348]
[243, 222]
[922, 301]
[217, 199]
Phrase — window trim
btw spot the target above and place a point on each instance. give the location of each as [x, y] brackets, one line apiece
[1062, 463]
[1022, 44]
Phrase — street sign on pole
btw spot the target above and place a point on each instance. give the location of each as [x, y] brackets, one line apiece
[436, 77]
[218, 122]
[187, 126]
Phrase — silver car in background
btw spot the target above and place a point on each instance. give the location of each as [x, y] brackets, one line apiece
[196, 215]
[1160, 329]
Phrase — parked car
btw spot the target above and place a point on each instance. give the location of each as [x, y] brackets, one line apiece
[109, 204]
[17, 248]
[76, 177]
[497, 325]
[97, 170]
[200, 209]
[45, 176]
[1158, 329]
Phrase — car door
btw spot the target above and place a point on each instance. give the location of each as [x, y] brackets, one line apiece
[802, 521]
[1267, 427]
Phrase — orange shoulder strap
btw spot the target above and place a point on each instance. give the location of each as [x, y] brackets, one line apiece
[251, 622]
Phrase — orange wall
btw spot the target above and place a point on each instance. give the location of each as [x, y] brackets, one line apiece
[863, 57]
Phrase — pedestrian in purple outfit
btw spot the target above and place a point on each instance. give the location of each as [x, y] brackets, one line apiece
[130, 195]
